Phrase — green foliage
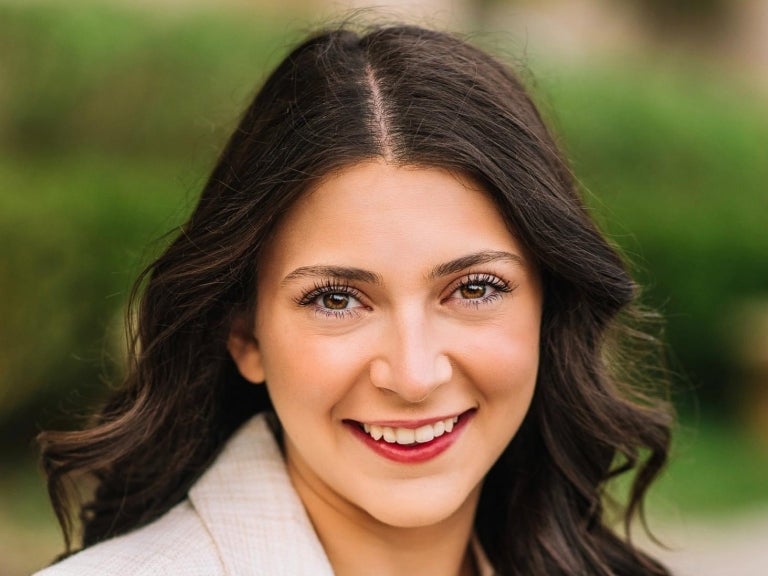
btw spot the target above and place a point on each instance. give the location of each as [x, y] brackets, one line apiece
[109, 120]
[73, 227]
[119, 81]
[715, 470]
[675, 166]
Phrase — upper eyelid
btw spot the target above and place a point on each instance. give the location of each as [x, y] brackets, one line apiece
[332, 285]
[328, 286]
[480, 277]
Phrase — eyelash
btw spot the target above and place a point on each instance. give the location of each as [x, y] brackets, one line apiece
[320, 289]
[309, 299]
[500, 287]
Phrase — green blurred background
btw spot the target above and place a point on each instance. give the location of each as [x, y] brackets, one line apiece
[111, 114]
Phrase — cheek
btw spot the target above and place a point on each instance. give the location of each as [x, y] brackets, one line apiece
[510, 376]
[505, 356]
[312, 369]
[506, 379]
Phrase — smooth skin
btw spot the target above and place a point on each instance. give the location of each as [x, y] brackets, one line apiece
[393, 294]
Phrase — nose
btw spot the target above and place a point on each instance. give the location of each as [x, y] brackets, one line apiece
[411, 363]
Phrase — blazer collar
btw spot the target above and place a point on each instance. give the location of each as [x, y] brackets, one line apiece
[256, 519]
[250, 508]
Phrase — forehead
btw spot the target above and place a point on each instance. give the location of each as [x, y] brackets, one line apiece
[378, 212]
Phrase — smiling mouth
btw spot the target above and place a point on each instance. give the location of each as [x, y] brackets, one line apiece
[410, 436]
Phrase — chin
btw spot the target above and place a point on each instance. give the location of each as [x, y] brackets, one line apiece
[420, 510]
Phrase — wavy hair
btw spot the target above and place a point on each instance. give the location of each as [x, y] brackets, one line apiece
[412, 97]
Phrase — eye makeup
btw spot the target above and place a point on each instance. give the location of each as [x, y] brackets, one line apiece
[333, 298]
[337, 298]
[478, 288]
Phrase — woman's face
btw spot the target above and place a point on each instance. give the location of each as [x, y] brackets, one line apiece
[398, 334]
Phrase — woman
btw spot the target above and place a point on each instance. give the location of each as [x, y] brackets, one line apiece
[384, 343]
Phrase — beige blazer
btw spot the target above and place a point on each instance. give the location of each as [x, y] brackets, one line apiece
[241, 518]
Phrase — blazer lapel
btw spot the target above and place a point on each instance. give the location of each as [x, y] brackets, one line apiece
[248, 504]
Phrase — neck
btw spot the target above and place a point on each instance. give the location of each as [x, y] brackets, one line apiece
[378, 550]
[357, 543]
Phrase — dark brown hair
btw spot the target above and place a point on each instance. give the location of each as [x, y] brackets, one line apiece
[413, 97]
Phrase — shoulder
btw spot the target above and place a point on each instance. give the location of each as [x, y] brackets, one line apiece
[176, 543]
[242, 517]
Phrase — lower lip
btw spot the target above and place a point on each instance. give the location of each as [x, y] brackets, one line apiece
[413, 453]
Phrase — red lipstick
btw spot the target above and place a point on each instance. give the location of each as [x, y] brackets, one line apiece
[412, 453]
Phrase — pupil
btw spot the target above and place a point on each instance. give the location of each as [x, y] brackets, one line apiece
[473, 291]
[335, 301]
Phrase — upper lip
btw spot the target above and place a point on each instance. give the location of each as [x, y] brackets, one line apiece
[411, 423]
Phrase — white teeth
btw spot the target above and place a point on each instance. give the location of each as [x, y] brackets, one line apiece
[424, 434]
[389, 435]
[407, 436]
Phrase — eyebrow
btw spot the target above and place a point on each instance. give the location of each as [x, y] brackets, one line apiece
[341, 272]
[475, 259]
[352, 274]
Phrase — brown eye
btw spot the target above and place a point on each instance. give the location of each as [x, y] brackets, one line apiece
[335, 301]
[472, 291]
